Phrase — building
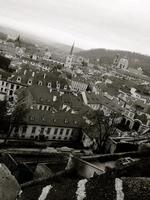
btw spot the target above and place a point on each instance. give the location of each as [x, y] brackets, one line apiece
[29, 76]
[8, 88]
[41, 125]
[38, 98]
[116, 61]
[79, 84]
[69, 58]
[123, 64]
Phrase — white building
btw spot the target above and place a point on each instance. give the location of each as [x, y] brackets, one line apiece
[42, 125]
[123, 63]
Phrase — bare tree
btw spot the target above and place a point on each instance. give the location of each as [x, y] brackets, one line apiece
[103, 126]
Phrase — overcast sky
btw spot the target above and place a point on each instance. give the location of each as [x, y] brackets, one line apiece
[112, 24]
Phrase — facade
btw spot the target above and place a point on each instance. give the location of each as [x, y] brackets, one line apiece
[123, 64]
[9, 88]
[41, 125]
[79, 84]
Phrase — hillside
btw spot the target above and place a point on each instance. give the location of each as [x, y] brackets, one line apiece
[106, 57]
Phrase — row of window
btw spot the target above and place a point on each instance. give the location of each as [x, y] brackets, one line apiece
[24, 129]
[46, 137]
[40, 83]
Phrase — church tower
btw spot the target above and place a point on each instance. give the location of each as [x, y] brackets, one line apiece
[68, 63]
[17, 41]
[116, 61]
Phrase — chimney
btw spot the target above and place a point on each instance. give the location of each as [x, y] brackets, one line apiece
[25, 71]
[54, 98]
[33, 73]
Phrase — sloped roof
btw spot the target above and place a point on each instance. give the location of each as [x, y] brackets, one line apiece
[59, 119]
[37, 75]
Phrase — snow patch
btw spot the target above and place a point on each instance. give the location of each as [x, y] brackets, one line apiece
[45, 192]
[81, 193]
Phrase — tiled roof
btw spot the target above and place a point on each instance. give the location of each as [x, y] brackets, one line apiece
[36, 75]
[80, 79]
[42, 95]
[60, 119]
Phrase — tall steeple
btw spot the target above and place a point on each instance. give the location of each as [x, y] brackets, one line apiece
[17, 41]
[72, 48]
[69, 58]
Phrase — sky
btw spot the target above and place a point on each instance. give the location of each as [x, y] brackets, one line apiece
[111, 24]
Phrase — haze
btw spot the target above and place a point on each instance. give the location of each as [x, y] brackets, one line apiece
[112, 24]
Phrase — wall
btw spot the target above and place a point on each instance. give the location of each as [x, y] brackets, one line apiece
[85, 169]
[9, 187]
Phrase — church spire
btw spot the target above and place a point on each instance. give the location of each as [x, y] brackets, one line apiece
[72, 48]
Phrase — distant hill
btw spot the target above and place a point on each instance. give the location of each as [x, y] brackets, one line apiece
[106, 57]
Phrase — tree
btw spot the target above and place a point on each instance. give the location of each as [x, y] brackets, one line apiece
[3, 117]
[102, 127]
[16, 118]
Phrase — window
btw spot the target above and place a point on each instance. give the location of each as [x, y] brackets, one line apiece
[48, 130]
[19, 79]
[17, 87]
[66, 121]
[54, 137]
[24, 129]
[58, 86]
[49, 85]
[61, 131]
[56, 130]
[59, 138]
[11, 92]
[12, 86]
[65, 138]
[42, 130]
[31, 118]
[32, 137]
[33, 129]
[29, 82]
[67, 132]
[40, 83]
[40, 107]
[65, 87]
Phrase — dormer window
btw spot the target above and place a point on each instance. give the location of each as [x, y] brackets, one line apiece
[40, 83]
[65, 87]
[66, 121]
[41, 99]
[31, 118]
[49, 85]
[43, 119]
[19, 79]
[29, 82]
[58, 86]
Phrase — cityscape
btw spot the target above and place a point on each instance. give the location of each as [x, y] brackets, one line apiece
[74, 123]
